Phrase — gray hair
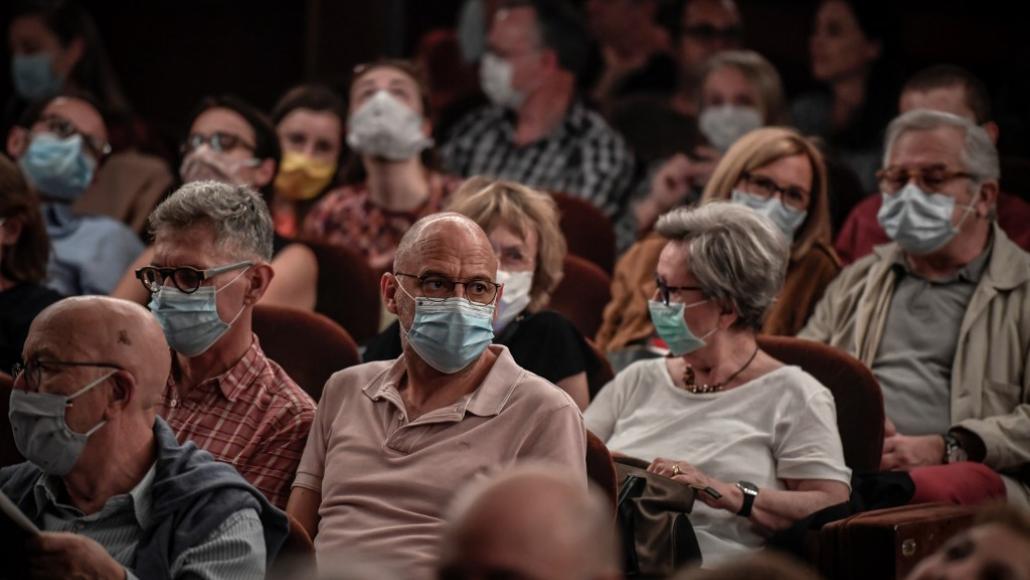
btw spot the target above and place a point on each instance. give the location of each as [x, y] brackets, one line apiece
[239, 217]
[979, 155]
[736, 255]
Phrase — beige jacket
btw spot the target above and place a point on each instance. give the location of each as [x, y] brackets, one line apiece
[990, 377]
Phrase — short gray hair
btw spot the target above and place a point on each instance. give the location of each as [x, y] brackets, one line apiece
[736, 255]
[979, 155]
[237, 214]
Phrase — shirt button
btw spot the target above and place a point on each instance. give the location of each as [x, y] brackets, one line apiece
[173, 403]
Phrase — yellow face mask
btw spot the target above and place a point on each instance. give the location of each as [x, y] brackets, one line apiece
[301, 177]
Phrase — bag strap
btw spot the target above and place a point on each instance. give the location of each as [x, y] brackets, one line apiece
[632, 487]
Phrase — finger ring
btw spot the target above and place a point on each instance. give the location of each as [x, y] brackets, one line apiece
[676, 469]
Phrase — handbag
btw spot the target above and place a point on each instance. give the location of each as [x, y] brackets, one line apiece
[654, 521]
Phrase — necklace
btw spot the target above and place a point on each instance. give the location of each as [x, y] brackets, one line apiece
[690, 380]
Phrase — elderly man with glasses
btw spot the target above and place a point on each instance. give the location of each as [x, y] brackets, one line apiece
[212, 244]
[942, 316]
[393, 441]
[109, 489]
[58, 146]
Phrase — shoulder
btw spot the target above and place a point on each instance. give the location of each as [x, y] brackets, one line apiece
[477, 121]
[820, 257]
[592, 127]
[17, 479]
[288, 393]
[643, 372]
[546, 321]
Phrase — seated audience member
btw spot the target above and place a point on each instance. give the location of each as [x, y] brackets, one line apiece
[58, 148]
[24, 248]
[952, 90]
[390, 182]
[721, 413]
[309, 120]
[942, 316]
[537, 131]
[522, 225]
[998, 546]
[534, 522]
[212, 245]
[776, 172]
[232, 142]
[393, 440]
[112, 491]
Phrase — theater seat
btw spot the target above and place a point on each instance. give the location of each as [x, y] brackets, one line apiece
[600, 468]
[582, 294]
[308, 346]
[8, 451]
[588, 232]
[348, 290]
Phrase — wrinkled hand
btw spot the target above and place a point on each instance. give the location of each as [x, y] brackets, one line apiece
[687, 474]
[901, 452]
[65, 555]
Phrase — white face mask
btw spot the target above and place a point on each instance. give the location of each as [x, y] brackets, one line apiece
[515, 297]
[385, 127]
[495, 78]
[204, 163]
[786, 218]
[724, 124]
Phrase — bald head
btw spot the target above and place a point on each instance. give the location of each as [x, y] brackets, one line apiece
[532, 522]
[98, 328]
[447, 232]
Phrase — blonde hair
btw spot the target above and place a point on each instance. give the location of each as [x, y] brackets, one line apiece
[762, 147]
[761, 74]
[491, 203]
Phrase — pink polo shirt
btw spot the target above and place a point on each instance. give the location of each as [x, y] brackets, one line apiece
[386, 482]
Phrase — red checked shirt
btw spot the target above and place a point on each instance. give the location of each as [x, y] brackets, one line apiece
[253, 417]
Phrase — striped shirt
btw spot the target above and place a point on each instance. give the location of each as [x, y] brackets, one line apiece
[253, 417]
[582, 156]
[234, 550]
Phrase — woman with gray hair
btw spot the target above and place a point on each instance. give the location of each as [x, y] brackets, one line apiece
[720, 414]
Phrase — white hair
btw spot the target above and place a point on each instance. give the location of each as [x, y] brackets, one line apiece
[979, 155]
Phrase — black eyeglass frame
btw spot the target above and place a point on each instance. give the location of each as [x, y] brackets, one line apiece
[202, 275]
[450, 290]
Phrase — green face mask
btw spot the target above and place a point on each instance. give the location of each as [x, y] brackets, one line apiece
[672, 327]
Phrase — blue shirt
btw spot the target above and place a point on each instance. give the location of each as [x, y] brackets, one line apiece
[89, 253]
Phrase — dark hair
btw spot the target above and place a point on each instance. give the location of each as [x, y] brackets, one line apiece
[313, 97]
[26, 260]
[943, 76]
[68, 20]
[34, 111]
[561, 30]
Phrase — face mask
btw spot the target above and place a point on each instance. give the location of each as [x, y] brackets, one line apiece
[495, 76]
[190, 321]
[41, 433]
[515, 297]
[723, 125]
[204, 163]
[302, 177]
[450, 334]
[57, 167]
[786, 218]
[385, 127]
[672, 327]
[919, 222]
[34, 77]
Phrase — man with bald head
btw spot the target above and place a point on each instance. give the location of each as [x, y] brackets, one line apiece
[531, 522]
[113, 493]
[393, 440]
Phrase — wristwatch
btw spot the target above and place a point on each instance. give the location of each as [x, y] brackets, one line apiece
[953, 451]
[750, 492]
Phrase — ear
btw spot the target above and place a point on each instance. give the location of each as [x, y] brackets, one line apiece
[17, 142]
[388, 291]
[992, 131]
[260, 278]
[987, 199]
[727, 315]
[10, 231]
[123, 393]
[264, 173]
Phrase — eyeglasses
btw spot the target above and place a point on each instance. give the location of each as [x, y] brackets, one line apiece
[665, 291]
[185, 278]
[64, 128]
[439, 288]
[33, 369]
[218, 141]
[792, 196]
[710, 33]
[930, 179]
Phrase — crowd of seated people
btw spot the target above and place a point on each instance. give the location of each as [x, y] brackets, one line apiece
[160, 439]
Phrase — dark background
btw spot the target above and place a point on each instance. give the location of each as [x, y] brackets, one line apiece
[169, 53]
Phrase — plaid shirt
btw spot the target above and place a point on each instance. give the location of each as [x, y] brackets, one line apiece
[253, 417]
[583, 156]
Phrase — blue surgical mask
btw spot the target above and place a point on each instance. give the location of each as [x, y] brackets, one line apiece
[190, 321]
[58, 168]
[41, 433]
[672, 327]
[34, 77]
[449, 334]
[919, 222]
[786, 218]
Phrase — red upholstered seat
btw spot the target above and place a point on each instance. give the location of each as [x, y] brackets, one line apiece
[348, 290]
[308, 346]
[588, 232]
[8, 451]
[582, 294]
[600, 468]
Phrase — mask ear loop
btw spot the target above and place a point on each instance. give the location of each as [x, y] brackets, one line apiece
[230, 283]
[82, 391]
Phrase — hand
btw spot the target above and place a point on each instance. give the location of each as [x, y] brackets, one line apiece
[901, 452]
[703, 165]
[65, 555]
[671, 183]
[889, 430]
[731, 498]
